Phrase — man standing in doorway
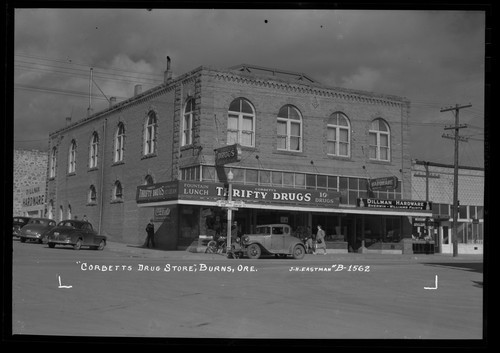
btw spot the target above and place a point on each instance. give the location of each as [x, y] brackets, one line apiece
[150, 230]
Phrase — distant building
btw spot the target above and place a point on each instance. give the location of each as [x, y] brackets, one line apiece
[301, 153]
[30, 175]
[434, 182]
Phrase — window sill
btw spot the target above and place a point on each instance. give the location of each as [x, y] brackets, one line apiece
[117, 163]
[377, 161]
[92, 169]
[147, 156]
[71, 174]
[290, 153]
[116, 201]
[92, 204]
[340, 158]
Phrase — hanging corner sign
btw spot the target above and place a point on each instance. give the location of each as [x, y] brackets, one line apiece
[386, 183]
[228, 154]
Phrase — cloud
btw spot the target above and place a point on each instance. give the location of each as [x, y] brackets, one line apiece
[364, 79]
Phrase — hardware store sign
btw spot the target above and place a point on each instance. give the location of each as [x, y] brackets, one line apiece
[399, 204]
[194, 190]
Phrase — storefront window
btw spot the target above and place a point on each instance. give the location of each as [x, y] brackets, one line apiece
[321, 181]
[252, 176]
[208, 173]
[288, 179]
[300, 180]
[189, 224]
[264, 177]
[332, 183]
[462, 210]
[311, 181]
[277, 178]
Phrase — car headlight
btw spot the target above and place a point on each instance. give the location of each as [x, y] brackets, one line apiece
[245, 239]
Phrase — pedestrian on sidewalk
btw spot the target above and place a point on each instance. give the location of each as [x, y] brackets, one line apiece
[150, 230]
[320, 240]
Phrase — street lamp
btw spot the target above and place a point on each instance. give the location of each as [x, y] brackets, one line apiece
[229, 210]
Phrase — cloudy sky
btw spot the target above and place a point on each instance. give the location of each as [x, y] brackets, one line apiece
[433, 58]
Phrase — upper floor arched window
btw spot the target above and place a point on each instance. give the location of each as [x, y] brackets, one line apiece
[53, 161]
[241, 123]
[380, 140]
[148, 180]
[94, 149]
[150, 134]
[187, 123]
[119, 143]
[289, 129]
[339, 135]
[72, 157]
[117, 191]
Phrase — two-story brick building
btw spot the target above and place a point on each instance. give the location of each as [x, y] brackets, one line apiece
[301, 153]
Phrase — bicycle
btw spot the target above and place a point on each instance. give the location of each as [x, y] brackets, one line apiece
[216, 246]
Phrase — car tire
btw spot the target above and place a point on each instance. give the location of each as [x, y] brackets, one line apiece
[78, 245]
[298, 252]
[22, 240]
[101, 245]
[51, 245]
[253, 251]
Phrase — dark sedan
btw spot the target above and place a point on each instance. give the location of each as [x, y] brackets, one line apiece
[75, 233]
[17, 224]
[36, 229]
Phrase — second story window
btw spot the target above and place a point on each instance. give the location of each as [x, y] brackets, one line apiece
[53, 160]
[92, 197]
[117, 191]
[150, 134]
[339, 135]
[187, 123]
[119, 143]
[289, 129]
[148, 180]
[94, 148]
[72, 157]
[380, 140]
[241, 123]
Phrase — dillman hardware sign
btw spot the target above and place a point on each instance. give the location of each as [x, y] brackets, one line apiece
[399, 204]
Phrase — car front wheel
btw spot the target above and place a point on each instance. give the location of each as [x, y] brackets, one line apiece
[78, 245]
[298, 252]
[101, 246]
[253, 251]
[52, 245]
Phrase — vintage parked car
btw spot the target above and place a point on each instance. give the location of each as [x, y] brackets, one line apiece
[17, 224]
[269, 239]
[36, 229]
[75, 233]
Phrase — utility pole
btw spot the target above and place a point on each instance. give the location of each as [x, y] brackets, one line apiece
[457, 127]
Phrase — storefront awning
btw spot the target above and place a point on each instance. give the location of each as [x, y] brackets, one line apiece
[270, 198]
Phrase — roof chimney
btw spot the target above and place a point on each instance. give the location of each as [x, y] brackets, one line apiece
[137, 89]
[168, 73]
[112, 101]
[68, 121]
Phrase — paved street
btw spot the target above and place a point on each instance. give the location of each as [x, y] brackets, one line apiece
[135, 292]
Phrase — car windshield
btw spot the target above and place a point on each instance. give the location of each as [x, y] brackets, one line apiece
[70, 224]
[39, 221]
[20, 220]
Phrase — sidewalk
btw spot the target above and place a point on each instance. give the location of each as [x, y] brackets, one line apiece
[141, 252]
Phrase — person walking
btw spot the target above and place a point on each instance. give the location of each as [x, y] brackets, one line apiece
[150, 230]
[320, 240]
